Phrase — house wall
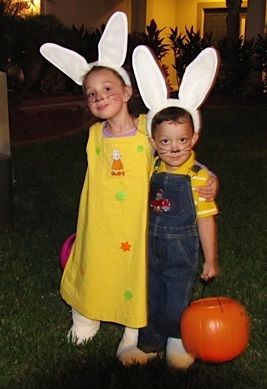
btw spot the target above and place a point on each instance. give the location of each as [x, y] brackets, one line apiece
[256, 23]
[90, 13]
[181, 14]
[165, 15]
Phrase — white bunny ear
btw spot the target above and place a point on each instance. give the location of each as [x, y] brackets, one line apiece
[112, 47]
[149, 78]
[112, 50]
[68, 61]
[198, 78]
[196, 84]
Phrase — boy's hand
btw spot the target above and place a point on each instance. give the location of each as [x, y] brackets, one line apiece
[211, 189]
[209, 271]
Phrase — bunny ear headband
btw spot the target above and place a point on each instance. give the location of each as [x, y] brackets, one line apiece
[195, 86]
[112, 50]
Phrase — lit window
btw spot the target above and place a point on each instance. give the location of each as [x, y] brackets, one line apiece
[25, 7]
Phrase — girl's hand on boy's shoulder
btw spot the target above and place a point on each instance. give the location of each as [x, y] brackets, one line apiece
[210, 191]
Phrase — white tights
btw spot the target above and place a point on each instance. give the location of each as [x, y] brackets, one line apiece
[128, 353]
[82, 329]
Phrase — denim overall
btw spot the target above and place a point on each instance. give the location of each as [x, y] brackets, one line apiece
[173, 257]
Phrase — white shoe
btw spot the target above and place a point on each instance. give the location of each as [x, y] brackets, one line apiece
[128, 353]
[134, 356]
[176, 355]
[129, 339]
[83, 329]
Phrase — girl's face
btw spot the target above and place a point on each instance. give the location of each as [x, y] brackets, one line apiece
[174, 142]
[107, 97]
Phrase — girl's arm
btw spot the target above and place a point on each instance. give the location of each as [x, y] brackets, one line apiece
[210, 191]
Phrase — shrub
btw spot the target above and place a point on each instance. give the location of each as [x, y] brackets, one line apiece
[185, 48]
[27, 70]
[243, 63]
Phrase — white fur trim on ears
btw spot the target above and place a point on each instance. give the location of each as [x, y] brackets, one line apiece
[112, 50]
[195, 86]
[112, 47]
[66, 60]
[198, 78]
[149, 78]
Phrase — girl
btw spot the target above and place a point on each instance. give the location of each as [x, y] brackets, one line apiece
[105, 276]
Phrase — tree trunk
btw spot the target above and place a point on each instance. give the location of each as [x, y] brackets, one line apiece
[232, 20]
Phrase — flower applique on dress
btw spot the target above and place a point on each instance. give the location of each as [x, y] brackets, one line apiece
[125, 246]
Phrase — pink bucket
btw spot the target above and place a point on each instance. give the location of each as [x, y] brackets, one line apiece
[65, 250]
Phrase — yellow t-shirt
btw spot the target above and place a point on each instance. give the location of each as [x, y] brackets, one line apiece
[203, 208]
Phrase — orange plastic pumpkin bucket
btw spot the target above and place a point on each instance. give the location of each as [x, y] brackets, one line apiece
[215, 329]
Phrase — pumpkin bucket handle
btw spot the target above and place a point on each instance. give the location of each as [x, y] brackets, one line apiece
[209, 285]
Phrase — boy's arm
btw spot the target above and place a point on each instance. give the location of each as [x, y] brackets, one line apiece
[208, 238]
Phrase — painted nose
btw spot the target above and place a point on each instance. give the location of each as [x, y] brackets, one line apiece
[99, 97]
[175, 149]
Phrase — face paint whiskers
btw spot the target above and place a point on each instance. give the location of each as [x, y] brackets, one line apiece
[166, 149]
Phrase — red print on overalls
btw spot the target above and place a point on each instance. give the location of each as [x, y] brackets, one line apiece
[159, 204]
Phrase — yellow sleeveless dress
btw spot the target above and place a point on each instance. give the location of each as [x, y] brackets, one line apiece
[105, 276]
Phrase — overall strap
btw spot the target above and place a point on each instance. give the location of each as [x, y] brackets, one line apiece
[157, 162]
[194, 170]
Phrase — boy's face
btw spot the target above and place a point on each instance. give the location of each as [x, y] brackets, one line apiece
[174, 141]
[106, 94]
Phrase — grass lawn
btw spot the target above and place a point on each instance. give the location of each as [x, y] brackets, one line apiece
[34, 320]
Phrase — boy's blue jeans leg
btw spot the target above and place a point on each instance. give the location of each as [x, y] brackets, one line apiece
[172, 270]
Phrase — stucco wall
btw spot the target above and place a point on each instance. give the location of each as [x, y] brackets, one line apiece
[90, 13]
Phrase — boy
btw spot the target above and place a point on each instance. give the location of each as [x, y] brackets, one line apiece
[178, 215]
